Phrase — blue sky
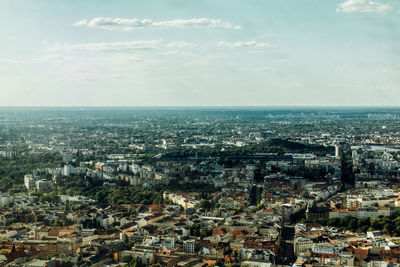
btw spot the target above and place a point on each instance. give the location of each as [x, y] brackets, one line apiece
[201, 53]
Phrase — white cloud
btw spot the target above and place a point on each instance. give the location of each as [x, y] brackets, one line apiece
[174, 53]
[128, 24]
[122, 46]
[107, 47]
[83, 22]
[181, 44]
[363, 6]
[249, 44]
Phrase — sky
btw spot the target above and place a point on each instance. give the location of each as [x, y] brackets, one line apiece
[200, 53]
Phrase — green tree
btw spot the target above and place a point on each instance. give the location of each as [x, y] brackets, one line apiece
[353, 224]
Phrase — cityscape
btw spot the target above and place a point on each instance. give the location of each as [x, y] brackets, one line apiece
[200, 186]
[199, 133]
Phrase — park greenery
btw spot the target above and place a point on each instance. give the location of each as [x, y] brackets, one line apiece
[12, 170]
[389, 225]
[111, 196]
[129, 195]
[282, 146]
[275, 145]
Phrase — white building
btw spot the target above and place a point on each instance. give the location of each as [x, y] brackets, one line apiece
[29, 181]
[256, 264]
[181, 200]
[168, 243]
[325, 248]
[67, 170]
[41, 263]
[5, 199]
[302, 244]
[337, 151]
[43, 185]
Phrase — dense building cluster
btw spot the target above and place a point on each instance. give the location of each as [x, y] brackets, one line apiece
[141, 187]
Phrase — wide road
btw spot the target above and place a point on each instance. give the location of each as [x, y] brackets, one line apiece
[287, 256]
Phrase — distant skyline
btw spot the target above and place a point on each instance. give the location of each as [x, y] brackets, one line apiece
[200, 53]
